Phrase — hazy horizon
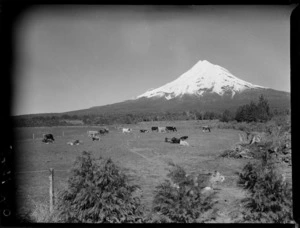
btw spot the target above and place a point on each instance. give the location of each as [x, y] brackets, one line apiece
[77, 57]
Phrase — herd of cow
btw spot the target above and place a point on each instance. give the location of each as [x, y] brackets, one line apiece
[95, 135]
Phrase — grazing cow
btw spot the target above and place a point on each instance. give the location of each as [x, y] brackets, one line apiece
[175, 140]
[48, 138]
[126, 130]
[170, 128]
[96, 138]
[144, 131]
[154, 128]
[92, 133]
[162, 129]
[206, 129]
[102, 131]
[183, 137]
[74, 142]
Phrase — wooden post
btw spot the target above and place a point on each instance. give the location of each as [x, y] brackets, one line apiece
[51, 189]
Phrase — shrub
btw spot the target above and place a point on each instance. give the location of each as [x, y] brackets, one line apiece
[98, 192]
[179, 200]
[270, 196]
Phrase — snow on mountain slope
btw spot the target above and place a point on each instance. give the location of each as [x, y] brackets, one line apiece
[202, 77]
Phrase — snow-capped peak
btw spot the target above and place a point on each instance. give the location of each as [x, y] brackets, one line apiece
[202, 77]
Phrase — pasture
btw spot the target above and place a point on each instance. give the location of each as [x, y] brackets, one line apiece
[143, 156]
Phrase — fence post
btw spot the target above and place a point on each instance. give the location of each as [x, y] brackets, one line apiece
[51, 189]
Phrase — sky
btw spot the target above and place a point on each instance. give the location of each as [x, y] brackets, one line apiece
[77, 57]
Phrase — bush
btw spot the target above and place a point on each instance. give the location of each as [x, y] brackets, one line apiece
[98, 192]
[179, 200]
[270, 196]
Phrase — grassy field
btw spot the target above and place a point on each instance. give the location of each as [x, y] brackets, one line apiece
[144, 157]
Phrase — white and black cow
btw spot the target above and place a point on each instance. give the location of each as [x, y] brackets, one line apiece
[206, 129]
[162, 129]
[93, 133]
[96, 138]
[126, 130]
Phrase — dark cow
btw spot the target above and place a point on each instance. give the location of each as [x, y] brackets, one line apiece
[206, 129]
[144, 131]
[103, 131]
[175, 140]
[172, 140]
[183, 137]
[48, 138]
[154, 128]
[170, 128]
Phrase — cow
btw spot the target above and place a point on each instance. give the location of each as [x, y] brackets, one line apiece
[183, 137]
[170, 128]
[74, 142]
[47, 138]
[92, 133]
[102, 131]
[162, 129]
[126, 130]
[206, 129]
[144, 131]
[175, 140]
[96, 138]
[154, 128]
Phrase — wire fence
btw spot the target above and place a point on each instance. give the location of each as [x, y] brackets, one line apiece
[44, 170]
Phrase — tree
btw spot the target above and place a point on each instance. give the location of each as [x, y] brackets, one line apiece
[179, 198]
[227, 116]
[98, 192]
[254, 112]
[263, 109]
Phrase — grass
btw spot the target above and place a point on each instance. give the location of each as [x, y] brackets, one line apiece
[144, 157]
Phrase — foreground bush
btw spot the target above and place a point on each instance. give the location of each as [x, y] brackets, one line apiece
[98, 192]
[180, 200]
[270, 196]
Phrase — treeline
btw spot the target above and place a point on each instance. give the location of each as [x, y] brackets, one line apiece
[111, 118]
[252, 112]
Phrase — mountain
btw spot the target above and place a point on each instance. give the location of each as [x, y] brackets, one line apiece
[201, 78]
[204, 87]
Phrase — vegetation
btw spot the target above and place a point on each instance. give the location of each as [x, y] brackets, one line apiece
[179, 200]
[98, 192]
[112, 118]
[252, 112]
[270, 196]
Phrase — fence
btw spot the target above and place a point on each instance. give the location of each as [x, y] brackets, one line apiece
[51, 183]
